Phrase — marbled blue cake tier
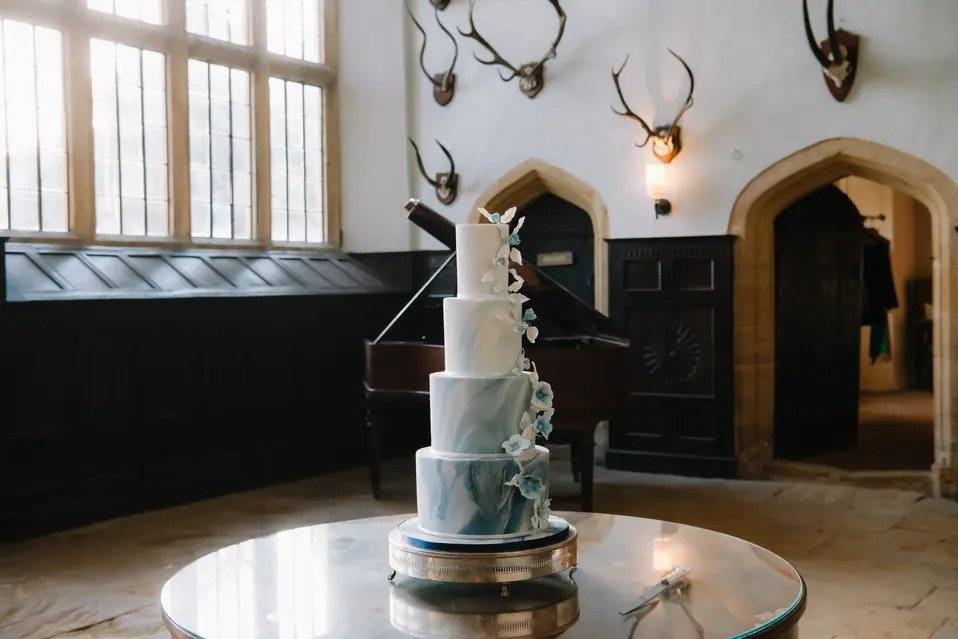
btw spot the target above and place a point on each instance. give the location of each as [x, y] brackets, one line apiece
[476, 414]
[461, 494]
[477, 341]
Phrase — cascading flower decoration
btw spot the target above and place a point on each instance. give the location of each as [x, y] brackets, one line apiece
[536, 420]
[507, 251]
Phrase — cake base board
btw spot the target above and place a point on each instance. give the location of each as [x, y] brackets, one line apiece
[500, 562]
[556, 530]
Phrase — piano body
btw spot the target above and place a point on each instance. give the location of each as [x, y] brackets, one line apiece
[579, 352]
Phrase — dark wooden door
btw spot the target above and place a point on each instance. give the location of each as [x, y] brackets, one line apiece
[558, 238]
[818, 297]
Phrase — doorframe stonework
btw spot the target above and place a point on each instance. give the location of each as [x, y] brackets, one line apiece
[532, 178]
[753, 215]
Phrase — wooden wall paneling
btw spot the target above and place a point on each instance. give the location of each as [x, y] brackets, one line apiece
[113, 406]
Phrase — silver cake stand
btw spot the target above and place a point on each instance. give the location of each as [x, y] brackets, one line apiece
[483, 563]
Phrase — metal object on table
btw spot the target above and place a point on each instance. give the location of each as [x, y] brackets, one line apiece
[481, 566]
[673, 580]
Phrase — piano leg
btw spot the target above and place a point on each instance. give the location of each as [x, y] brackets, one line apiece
[374, 445]
[584, 450]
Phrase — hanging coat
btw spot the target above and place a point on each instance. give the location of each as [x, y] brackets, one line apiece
[878, 293]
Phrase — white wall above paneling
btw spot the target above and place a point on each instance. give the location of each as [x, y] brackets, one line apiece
[759, 97]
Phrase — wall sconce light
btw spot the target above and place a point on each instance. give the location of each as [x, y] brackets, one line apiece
[655, 186]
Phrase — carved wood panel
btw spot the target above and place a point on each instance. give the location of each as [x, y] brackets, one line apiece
[674, 296]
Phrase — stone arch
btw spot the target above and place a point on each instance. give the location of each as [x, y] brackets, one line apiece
[752, 219]
[532, 178]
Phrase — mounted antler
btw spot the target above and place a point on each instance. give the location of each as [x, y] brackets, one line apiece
[666, 140]
[446, 184]
[443, 84]
[838, 55]
[531, 74]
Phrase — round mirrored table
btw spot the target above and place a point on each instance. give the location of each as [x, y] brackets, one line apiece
[329, 580]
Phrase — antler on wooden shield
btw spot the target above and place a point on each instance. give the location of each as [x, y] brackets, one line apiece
[531, 74]
[666, 140]
[837, 55]
[446, 184]
[444, 83]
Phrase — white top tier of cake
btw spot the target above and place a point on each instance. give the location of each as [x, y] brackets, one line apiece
[480, 340]
[476, 248]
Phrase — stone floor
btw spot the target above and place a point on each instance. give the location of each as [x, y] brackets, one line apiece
[895, 432]
[879, 563]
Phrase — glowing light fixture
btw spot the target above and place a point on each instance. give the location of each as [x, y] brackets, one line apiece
[655, 185]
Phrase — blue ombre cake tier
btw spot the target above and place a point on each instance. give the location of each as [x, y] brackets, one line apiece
[471, 414]
[460, 494]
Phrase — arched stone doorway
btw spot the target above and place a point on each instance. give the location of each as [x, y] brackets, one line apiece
[752, 219]
[533, 178]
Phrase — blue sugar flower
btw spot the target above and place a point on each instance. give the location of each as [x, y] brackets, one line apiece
[529, 315]
[543, 423]
[530, 486]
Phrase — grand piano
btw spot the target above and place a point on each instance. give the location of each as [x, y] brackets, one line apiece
[579, 352]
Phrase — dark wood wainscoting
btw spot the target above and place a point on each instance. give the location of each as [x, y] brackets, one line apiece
[112, 406]
[674, 296]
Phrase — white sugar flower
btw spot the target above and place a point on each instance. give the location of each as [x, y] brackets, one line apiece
[516, 444]
[541, 512]
[542, 396]
[518, 299]
[517, 281]
[523, 362]
[527, 426]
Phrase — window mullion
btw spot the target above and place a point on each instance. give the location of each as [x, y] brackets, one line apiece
[262, 204]
[79, 114]
[177, 60]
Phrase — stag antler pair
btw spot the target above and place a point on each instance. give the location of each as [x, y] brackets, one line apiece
[838, 56]
[666, 139]
[446, 184]
[530, 74]
[443, 84]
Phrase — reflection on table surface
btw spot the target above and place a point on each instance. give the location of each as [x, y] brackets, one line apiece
[329, 580]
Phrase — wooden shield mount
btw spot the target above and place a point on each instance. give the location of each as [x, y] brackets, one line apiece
[848, 43]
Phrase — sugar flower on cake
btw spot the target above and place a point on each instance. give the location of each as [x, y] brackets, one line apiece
[511, 239]
[498, 218]
[523, 363]
[543, 423]
[527, 426]
[516, 445]
[518, 299]
[529, 486]
[508, 250]
[521, 324]
[541, 512]
[542, 395]
[516, 283]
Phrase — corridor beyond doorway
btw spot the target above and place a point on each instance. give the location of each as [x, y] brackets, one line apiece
[895, 432]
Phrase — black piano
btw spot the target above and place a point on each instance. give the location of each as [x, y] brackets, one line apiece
[579, 352]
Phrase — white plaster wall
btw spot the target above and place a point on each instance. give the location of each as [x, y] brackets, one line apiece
[374, 181]
[759, 97]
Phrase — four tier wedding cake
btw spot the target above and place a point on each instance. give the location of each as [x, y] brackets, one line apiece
[484, 476]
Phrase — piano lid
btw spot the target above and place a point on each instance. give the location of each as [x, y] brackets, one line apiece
[551, 300]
